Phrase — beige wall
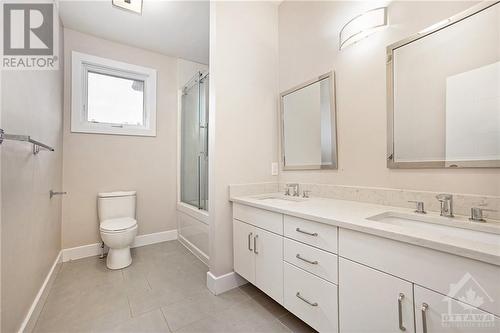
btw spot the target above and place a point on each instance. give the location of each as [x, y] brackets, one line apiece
[31, 221]
[308, 47]
[95, 163]
[243, 117]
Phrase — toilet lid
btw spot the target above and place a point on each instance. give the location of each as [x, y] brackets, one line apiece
[117, 224]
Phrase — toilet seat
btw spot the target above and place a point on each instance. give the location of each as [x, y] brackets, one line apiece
[118, 225]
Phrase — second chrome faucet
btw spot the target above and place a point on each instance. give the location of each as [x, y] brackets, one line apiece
[446, 201]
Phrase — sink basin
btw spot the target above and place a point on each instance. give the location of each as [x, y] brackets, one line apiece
[281, 198]
[450, 228]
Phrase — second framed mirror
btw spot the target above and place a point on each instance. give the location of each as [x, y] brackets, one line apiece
[308, 125]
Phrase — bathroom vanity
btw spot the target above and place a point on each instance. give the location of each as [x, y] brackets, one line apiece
[345, 266]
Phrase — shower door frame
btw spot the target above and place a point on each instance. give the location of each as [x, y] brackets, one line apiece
[188, 207]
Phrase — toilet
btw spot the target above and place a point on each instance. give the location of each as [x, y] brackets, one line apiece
[118, 226]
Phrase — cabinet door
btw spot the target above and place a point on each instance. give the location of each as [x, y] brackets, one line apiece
[269, 264]
[244, 257]
[437, 313]
[373, 302]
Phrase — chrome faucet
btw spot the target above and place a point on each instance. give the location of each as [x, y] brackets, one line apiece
[476, 214]
[446, 201]
[419, 206]
[295, 188]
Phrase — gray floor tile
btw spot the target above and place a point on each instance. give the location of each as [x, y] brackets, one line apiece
[163, 290]
[273, 326]
[295, 325]
[80, 319]
[245, 314]
[181, 314]
[250, 290]
[200, 306]
[206, 325]
[270, 305]
[148, 322]
[149, 300]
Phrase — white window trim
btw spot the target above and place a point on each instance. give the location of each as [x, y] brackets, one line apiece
[79, 123]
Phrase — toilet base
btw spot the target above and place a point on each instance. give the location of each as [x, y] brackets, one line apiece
[119, 258]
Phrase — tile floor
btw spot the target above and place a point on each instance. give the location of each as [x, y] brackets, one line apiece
[162, 291]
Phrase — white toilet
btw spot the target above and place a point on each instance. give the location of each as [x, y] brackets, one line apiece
[118, 226]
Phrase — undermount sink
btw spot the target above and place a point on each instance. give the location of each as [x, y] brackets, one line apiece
[282, 198]
[441, 226]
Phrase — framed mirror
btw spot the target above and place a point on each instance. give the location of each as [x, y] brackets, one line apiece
[443, 93]
[308, 125]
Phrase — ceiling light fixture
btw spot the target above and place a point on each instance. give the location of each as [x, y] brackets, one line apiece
[130, 5]
[362, 26]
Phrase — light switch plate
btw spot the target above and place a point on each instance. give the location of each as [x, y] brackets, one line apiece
[274, 168]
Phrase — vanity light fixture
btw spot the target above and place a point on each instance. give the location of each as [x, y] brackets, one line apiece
[130, 5]
[362, 26]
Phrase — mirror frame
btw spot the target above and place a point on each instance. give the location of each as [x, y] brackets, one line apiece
[391, 163]
[333, 114]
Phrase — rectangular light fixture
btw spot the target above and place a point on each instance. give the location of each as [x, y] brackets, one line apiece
[130, 5]
[362, 26]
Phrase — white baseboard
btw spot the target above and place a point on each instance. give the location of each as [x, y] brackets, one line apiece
[81, 252]
[29, 321]
[194, 250]
[220, 284]
[157, 237]
[95, 249]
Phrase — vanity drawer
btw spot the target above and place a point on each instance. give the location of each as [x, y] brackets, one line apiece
[316, 234]
[311, 259]
[259, 217]
[311, 298]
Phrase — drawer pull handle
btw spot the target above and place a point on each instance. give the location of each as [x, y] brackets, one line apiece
[424, 308]
[400, 311]
[315, 262]
[306, 300]
[249, 242]
[306, 232]
[255, 244]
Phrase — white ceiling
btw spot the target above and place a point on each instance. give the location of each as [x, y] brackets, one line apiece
[174, 28]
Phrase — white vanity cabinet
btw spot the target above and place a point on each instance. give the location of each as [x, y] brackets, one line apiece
[258, 248]
[435, 313]
[311, 298]
[269, 263]
[244, 257]
[372, 301]
[290, 259]
[343, 280]
[258, 257]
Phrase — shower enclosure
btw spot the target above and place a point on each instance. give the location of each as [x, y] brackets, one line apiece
[194, 142]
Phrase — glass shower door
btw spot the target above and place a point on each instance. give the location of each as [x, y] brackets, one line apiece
[194, 142]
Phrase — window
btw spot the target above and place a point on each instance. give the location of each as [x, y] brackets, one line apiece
[112, 97]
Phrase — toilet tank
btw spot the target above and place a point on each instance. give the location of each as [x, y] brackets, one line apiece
[113, 205]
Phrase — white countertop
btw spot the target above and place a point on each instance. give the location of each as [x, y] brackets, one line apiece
[354, 215]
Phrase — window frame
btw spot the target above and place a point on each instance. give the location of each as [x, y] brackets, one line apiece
[82, 64]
